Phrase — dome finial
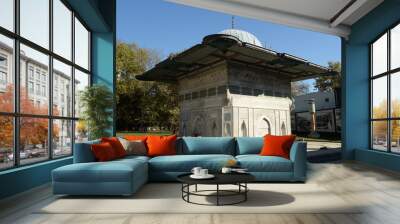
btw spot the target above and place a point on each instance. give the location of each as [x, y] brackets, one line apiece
[233, 22]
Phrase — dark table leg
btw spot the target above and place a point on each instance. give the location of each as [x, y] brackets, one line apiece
[182, 190]
[188, 190]
[245, 194]
[185, 188]
[217, 194]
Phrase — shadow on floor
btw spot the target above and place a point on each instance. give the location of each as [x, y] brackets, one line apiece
[325, 155]
[256, 198]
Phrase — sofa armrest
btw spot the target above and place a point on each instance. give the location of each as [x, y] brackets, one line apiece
[83, 152]
[298, 155]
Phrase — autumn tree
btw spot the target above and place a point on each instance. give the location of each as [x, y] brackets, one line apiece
[33, 131]
[6, 122]
[380, 127]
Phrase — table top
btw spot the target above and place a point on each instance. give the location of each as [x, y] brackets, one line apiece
[220, 178]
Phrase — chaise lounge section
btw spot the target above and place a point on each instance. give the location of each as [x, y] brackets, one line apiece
[88, 177]
[125, 176]
[272, 168]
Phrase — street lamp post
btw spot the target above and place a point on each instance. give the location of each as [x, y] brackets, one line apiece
[312, 110]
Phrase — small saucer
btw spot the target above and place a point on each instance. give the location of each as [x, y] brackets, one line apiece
[208, 176]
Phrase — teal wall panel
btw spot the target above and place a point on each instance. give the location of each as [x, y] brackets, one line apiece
[356, 99]
[90, 12]
[24, 178]
[356, 102]
[103, 54]
[379, 159]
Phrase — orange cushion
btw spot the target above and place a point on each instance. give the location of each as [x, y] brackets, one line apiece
[277, 145]
[136, 137]
[103, 152]
[161, 145]
[116, 145]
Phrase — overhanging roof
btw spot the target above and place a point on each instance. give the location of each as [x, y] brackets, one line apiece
[221, 47]
[325, 16]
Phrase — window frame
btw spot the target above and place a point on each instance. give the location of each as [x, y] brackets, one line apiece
[16, 114]
[388, 74]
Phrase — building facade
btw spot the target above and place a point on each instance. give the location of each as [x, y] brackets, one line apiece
[230, 85]
[230, 99]
[34, 82]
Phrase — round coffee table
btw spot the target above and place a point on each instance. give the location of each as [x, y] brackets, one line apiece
[238, 179]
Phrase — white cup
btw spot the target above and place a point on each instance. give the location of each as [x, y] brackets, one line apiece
[196, 171]
[203, 172]
[226, 170]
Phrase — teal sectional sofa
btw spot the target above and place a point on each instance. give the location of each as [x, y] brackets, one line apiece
[125, 176]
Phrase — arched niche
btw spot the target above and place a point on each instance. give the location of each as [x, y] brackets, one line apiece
[243, 129]
[184, 129]
[265, 126]
[227, 129]
[214, 129]
[198, 126]
[283, 129]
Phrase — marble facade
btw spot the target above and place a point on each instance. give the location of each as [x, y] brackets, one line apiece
[233, 99]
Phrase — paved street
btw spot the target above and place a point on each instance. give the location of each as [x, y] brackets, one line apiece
[314, 145]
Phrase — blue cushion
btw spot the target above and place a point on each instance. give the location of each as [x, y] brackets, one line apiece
[118, 177]
[93, 172]
[249, 145]
[207, 145]
[257, 163]
[111, 171]
[83, 152]
[133, 157]
[185, 163]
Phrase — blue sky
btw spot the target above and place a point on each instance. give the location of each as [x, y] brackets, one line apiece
[169, 27]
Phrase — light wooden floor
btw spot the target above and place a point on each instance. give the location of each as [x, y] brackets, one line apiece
[378, 189]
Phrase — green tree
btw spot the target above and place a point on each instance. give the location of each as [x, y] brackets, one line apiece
[330, 83]
[164, 105]
[97, 103]
[143, 104]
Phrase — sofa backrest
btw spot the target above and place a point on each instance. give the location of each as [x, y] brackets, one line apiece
[190, 146]
[249, 145]
[206, 145]
[83, 152]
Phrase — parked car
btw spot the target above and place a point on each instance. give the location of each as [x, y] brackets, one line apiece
[22, 155]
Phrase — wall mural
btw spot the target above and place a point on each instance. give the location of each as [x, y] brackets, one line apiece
[325, 121]
[338, 120]
[303, 122]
